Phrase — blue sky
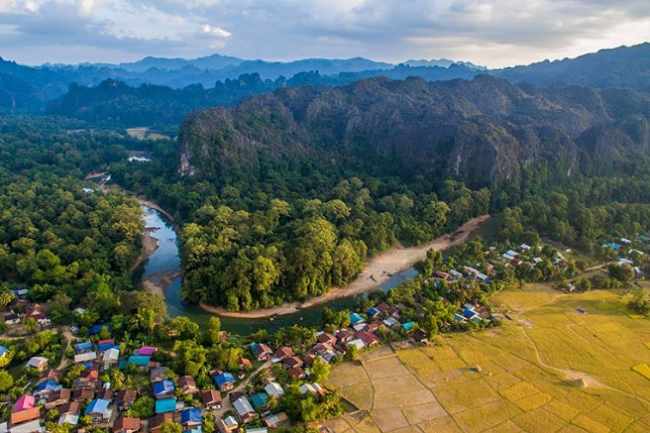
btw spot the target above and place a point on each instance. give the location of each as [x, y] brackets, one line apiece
[488, 32]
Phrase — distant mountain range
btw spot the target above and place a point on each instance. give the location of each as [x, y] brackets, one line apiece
[24, 88]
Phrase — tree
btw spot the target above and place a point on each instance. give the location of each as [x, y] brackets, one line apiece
[639, 300]
[142, 408]
[430, 326]
[352, 353]
[31, 325]
[320, 370]
[213, 331]
[621, 272]
[170, 426]
[6, 381]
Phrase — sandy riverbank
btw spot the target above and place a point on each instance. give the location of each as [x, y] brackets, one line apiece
[149, 245]
[376, 272]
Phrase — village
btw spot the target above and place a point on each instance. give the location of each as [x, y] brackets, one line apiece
[83, 388]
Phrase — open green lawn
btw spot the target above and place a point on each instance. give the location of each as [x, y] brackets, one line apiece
[551, 369]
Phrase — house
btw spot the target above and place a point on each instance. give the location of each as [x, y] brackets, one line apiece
[419, 336]
[96, 329]
[24, 403]
[276, 420]
[442, 275]
[147, 350]
[245, 364]
[244, 410]
[282, 353]
[227, 425]
[356, 319]
[309, 360]
[106, 393]
[260, 401]
[408, 325]
[37, 363]
[84, 358]
[166, 405]
[274, 389]
[257, 430]
[157, 374]
[292, 362]
[261, 351]
[373, 313]
[69, 418]
[345, 336]
[50, 375]
[140, 361]
[368, 338]
[623, 261]
[36, 312]
[187, 384]
[211, 399]
[469, 314]
[28, 427]
[156, 421]
[86, 346]
[312, 388]
[296, 373]
[125, 424]
[73, 408]
[163, 389]
[124, 399]
[455, 274]
[191, 418]
[110, 358]
[391, 322]
[24, 416]
[326, 338]
[58, 398]
[104, 345]
[99, 411]
[225, 381]
[357, 342]
[83, 394]
[12, 318]
[45, 388]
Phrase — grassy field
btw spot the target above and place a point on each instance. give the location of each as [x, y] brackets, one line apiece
[550, 369]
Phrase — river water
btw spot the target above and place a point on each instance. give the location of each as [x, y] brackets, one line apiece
[165, 262]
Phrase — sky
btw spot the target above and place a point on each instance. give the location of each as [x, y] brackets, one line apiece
[493, 33]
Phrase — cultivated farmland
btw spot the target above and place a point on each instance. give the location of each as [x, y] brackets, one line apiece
[551, 369]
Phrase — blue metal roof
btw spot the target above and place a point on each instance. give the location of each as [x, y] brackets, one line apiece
[356, 318]
[86, 345]
[97, 406]
[105, 346]
[469, 313]
[3, 350]
[408, 325]
[191, 415]
[139, 360]
[96, 329]
[49, 385]
[259, 400]
[373, 312]
[163, 387]
[224, 378]
[166, 405]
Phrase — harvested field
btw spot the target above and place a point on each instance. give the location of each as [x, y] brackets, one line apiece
[568, 373]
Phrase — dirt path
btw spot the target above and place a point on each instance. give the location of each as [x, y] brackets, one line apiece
[376, 272]
[226, 404]
[64, 361]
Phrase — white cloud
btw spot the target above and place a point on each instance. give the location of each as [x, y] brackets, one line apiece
[216, 31]
[491, 32]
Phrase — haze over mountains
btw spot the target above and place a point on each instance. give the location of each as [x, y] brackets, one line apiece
[25, 88]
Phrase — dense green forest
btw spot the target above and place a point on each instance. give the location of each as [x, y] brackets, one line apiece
[298, 230]
[60, 237]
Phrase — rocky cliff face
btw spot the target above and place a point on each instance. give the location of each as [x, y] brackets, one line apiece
[479, 131]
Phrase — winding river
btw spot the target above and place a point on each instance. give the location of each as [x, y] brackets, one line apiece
[162, 268]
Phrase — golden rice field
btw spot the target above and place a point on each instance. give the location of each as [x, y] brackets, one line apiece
[549, 370]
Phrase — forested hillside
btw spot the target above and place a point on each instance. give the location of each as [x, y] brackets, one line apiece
[484, 132]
